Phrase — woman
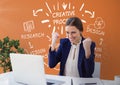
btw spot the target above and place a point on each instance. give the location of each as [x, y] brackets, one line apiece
[75, 53]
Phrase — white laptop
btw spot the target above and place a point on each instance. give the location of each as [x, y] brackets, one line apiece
[29, 69]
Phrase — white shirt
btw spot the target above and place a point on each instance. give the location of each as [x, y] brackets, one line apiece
[71, 67]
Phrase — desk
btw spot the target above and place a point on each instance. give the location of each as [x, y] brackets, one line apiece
[7, 79]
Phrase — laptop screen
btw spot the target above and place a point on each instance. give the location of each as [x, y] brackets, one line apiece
[28, 69]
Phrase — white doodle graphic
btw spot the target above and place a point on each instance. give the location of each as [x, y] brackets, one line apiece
[37, 11]
[56, 15]
[91, 13]
[48, 7]
[101, 41]
[98, 49]
[82, 7]
[45, 56]
[30, 44]
[47, 14]
[63, 14]
[99, 23]
[45, 21]
[28, 26]
[64, 6]
[98, 55]
[49, 38]
[97, 27]
[59, 13]
[32, 35]
[38, 51]
[69, 6]
[53, 29]
[26, 51]
[83, 21]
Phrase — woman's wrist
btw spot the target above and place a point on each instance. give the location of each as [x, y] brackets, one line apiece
[52, 47]
[87, 53]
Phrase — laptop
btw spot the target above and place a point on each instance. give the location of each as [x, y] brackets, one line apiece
[29, 70]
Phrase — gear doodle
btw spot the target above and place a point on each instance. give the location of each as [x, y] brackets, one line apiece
[99, 23]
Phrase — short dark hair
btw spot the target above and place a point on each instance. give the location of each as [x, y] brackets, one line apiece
[75, 21]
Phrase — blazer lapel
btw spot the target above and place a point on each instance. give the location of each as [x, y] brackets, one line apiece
[66, 51]
[81, 52]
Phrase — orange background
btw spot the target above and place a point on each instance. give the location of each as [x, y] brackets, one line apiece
[14, 15]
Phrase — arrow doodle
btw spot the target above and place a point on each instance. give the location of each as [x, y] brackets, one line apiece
[64, 6]
[91, 13]
[35, 12]
[31, 46]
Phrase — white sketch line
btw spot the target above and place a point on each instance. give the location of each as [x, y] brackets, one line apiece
[26, 51]
[28, 26]
[101, 41]
[46, 56]
[64, 6]
[47, 14]
[69, 5]
[31, 46]
[46, 64]
[82, 7]
[35, 12]
[53, 29]
[49, 25]
[48, 7]
[58, 6]
[44, 21]
[54, 7]
[48, 38]
[56, 69]
[91, 13]
[39, 10]
[83, 21]
[53, 68]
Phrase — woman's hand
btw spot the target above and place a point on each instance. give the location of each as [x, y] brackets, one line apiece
[55, 36]
[86, 45]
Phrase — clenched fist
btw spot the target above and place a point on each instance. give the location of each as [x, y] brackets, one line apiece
[55, 36]
[86, 45]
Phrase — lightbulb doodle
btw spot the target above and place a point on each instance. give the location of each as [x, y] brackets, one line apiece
[68, 10]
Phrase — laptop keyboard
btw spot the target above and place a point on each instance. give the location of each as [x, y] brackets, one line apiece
[49, 83]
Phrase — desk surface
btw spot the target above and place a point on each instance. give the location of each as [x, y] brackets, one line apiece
[6, 78]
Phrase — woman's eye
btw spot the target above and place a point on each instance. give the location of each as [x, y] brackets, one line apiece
[67, 32]
[73, 32]
[70, 33]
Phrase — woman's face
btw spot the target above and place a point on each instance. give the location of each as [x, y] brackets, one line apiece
[73, 34]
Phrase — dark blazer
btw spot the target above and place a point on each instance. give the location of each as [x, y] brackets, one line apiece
[85, 66]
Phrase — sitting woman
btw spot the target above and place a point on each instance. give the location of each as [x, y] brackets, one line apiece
[75, 53]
